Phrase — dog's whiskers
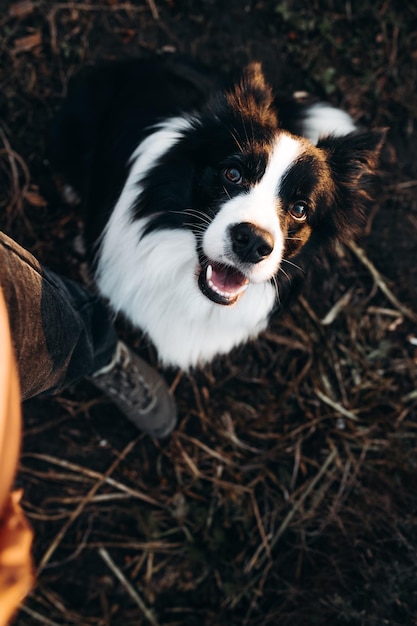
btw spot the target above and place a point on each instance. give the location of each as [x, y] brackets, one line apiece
[285, 274]
[276, 288]
[227, 193]
[197, 228]
[294, 265]
[236, 140]
[244, 128]
[196, 214]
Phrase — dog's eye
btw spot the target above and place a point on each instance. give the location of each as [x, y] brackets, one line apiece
[299, 211]
[233, 175]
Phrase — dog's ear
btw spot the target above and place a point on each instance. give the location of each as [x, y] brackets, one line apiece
[250, 97]
[353, 160]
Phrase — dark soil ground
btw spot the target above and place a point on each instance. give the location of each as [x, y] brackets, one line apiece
[288, 493]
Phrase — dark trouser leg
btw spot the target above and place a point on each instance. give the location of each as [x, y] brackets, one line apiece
[60, 331]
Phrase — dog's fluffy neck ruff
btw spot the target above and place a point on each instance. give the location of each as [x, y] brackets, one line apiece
[196, 328]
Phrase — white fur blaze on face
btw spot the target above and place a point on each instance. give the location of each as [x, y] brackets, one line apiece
[259, 207]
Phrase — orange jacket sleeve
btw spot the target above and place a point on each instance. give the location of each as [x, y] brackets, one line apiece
[16, 574]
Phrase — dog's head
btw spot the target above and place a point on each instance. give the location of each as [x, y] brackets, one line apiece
[262, 202]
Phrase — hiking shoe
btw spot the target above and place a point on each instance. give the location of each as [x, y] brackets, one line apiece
[138, 391]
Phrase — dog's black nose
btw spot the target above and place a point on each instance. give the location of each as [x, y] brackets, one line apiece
[251, 243]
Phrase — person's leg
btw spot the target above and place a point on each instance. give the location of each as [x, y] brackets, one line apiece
[61, 333]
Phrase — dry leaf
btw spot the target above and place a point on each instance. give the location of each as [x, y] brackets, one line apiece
[21, 9]
[34, 198]
[24, 44]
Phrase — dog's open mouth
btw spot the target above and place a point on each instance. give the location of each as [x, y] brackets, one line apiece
[222, 284]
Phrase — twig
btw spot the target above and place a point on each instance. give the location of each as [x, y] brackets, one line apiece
[130, 590]
[102, 497]
[285, 523]
[264, 544]
[381, 283]
[153, 9]
[80, 547]
[210, 451]
[92, 474]
[57, 540]
[37, 616]
[341, 304]
[143, 546]
[407, 184]
[14, 158]
[336, 406]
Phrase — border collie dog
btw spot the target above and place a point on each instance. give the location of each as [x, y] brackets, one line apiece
[204, 207]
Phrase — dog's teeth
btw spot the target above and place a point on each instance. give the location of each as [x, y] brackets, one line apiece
[242, 288]
[226, 294]
[209, 272]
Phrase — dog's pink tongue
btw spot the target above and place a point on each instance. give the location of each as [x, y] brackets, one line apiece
[227, 278]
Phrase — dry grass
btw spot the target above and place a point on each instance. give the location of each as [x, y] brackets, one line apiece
[287, 495]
